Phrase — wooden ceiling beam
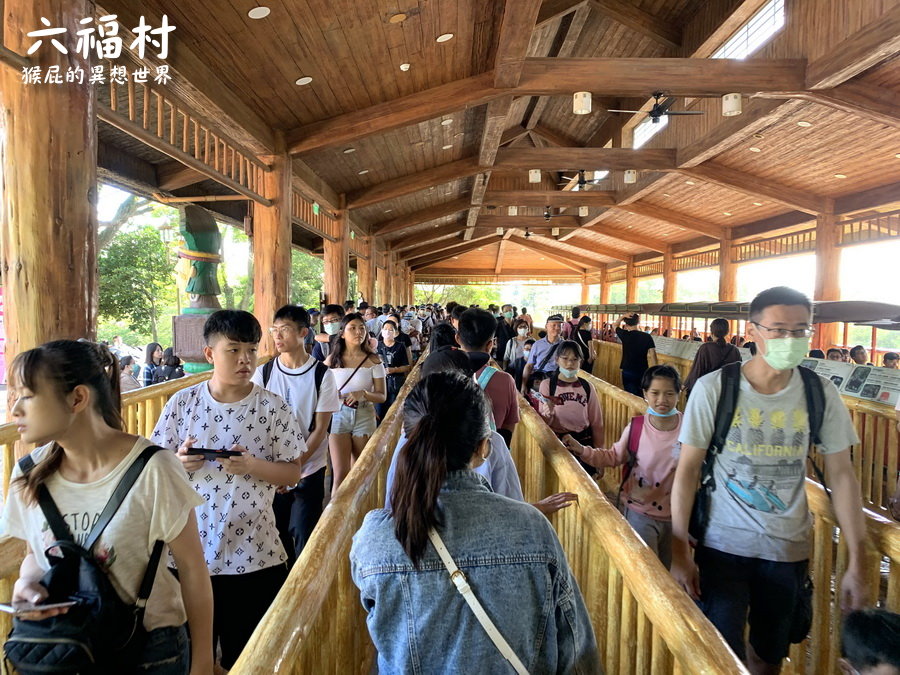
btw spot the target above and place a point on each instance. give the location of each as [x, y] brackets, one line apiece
[628, 14]
[519, 18]
[419, 217]
[449, 252]
[429, 235]
[437, 247]
[590, 159]
[554, 9]
[494, 126]
[513, 134]
[541, 198]
[718, 174]
[509, 274]
[174, 175]
[559, 257]
[308, 183]
[527, 222]
[856, 98]
[673, 217]
[498, 265]
[621, 234]
[394, 114]
[677, 77]
[405, 185]
[581, 256]
[868, 199]
[554, 137]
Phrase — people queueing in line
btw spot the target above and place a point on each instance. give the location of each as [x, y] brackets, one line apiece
[515, 347]
[582, 335]
[712, 355]
[648, 449]
[401, 337]
[505, 332]
[816, 354]
[309, 342]
[870, 643]
[859, 356]
[517, 367]
[638, 352]
[170, 369]
[394, 356]
[153, 355]
[834, 354]
[891, 360]
[241, 542]
[68, 403]
[308, 387]
[542, 359]
[331, 326]
[756, 536]
[442, 335]
[411, 326]
[475, 336]
[513, 560]
[359, 377]
[570, 324]
[127, 380]
[526, 317]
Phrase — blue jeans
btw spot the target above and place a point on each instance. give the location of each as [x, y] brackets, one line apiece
[167, 651]
[631, 382]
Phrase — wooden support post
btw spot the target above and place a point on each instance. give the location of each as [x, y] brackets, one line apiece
[382, 276]
[727, 270]
[48, 161]
[337, 259]
[670, 280]
[604, 286]
[630, 281]
[272, 243]
[828, 262]
[585, 290]
[365, 269]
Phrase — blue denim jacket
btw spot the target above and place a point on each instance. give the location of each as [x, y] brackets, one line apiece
[517, 569]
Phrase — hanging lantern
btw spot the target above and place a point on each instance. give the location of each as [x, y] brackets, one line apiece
[581, 103]
[534, 175]
[513, 210]
[583, 211]
[731, 105]
[630, 177]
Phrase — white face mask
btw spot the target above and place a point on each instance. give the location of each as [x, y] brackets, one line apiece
[526, 352]
[388, 334]
[523, 332]
[332, 328]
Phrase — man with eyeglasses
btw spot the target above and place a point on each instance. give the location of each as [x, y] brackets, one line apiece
[755, 551]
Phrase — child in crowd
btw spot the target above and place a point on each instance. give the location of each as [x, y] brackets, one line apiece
[240, 539]
[308, 387]
[396, 365]
[68, 404]
[648, 449]
[870, 643]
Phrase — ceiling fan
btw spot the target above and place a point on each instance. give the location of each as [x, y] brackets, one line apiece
[548, 214]
[660, 109]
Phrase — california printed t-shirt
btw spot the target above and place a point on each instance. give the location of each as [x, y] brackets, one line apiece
[156, 507]
[237, 526]
[759, 508]
[297, 386]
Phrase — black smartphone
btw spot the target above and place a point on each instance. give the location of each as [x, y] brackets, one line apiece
[212, 454]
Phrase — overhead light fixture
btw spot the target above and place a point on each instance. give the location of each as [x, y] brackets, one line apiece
[666, 194]
[583, 211]
[259, 12]
[499, 230]
[513, 210]
[689, 182]
[897, 156]
[446, 123]
[731, 105]
[304, 80]
[388, 210]
[726, 213]
[757, 203]
[754, 149]
[447, 147]
[840, 175]
[804, 123]
[347, 151]
[534, 175]
[581, 103]
[554, 231]
[363, 172]
[404, 67]
[444, 38]
[630, 176]
[399, 17]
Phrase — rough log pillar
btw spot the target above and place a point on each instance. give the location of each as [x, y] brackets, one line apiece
[828, 262]
[727, 270]
[630, 281]
[365, 269]
[604, 286]
[337, 260]
[670, 289]
[585, 290]
[412, 286]
[48, 169]
[382, 277]
[272, 243]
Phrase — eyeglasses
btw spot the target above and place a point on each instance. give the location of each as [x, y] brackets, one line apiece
[330, 321]
[281, 330]
[784, 332]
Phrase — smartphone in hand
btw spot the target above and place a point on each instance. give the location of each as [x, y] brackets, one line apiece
[20, 608]
[208, 453]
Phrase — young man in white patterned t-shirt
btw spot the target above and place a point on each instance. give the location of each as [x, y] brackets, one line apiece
[243, 550]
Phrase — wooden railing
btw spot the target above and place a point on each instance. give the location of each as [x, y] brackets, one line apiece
[819, 653]
[876, 458]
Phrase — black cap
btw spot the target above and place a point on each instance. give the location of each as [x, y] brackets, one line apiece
[555, 317]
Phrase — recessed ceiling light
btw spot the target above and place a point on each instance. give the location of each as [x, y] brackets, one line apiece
[363, 172]
[445, 37]
[726, 213]
[666, 194]
[840, 175]
[758, 135]
[897, 155]
[447, 147]
[455, 257]
[629, 227]
[404, 67]
[446, 123]
[259, 12]
[757, 203]
[755, 149]
[689, 182]
[804, 123]
[665, 234]
[400, 17]
[304, 80]
[388, 210]
[480, 249]
[347, 151]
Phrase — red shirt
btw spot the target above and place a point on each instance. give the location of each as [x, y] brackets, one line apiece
[501, 390]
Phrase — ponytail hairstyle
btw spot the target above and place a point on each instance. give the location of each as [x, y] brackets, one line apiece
[445, 420]
[64, 365]
[339, 345]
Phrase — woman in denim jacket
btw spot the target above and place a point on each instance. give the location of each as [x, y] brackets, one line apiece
[507, 550]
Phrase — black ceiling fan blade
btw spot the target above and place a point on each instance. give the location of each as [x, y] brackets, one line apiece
[685, 112]
[626, 111]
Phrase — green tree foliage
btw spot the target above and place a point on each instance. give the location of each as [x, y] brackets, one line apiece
[136, 283]
[307, 275]
[464, 295]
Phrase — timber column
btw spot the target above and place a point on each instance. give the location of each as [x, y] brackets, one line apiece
[48, 150]
[727, 269]
[272, 243]
[604, 285]
[828, 264]
[585, 290]
[337, 259]
[670, 280]
[630, 281]
[365, 269]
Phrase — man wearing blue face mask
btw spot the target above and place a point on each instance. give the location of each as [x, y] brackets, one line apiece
[754, 551]
[331, 324]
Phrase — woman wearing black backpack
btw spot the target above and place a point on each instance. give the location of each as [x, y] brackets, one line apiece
[68, 404]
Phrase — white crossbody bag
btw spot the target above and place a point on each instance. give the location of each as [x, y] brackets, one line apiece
[459, 580]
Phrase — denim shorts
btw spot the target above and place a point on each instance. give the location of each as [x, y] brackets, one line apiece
[166, 652]
[356, 421]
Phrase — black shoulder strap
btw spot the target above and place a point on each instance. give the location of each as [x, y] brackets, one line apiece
[815, 411]
[549, 355]
[554, 381]
[267, 371]
[587, 387]
[728, 398]
[318, 375]
[57, 523]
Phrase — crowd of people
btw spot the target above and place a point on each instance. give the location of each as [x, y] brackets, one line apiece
[234, 477]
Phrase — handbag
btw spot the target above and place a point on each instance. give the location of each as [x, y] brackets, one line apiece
[459, 580]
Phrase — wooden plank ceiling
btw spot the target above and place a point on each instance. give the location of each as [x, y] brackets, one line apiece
[430, 161]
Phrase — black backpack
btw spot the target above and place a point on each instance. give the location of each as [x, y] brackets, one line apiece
[554, 381]
[100, 634]
[731, 380]
[319, 375]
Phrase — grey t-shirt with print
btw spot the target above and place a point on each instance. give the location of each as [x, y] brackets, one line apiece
[759, 508]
